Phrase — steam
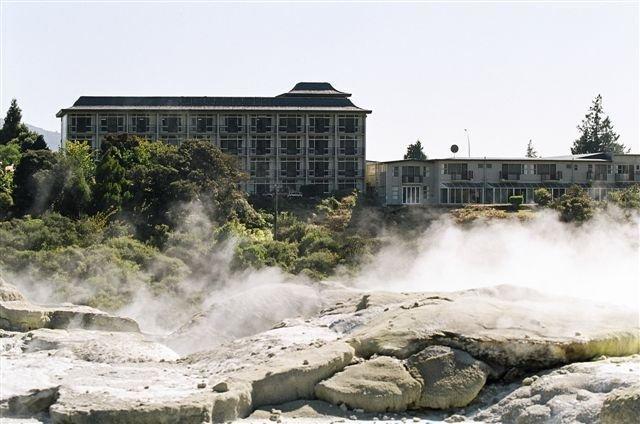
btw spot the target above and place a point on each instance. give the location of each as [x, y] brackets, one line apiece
[598, 261]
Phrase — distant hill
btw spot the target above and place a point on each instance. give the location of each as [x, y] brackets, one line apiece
[51, 137]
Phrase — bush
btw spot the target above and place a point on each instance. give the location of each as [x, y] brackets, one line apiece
[628, 198]
[516, 201]
[575, 205]
[542, 196]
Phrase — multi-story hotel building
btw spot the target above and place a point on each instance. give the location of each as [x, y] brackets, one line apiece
[311, 135]
[455, 181]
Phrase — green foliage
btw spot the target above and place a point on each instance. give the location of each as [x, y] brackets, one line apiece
[11, 125]
[111, 184]
[32, 181]
[336, 214]
[516, 201]
[415, 151]
[542, 196]
[596, 132]
[629, 198]
[575, 205]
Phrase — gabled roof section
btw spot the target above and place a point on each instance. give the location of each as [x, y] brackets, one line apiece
[598, 155]
[305, 96]
[314, 89]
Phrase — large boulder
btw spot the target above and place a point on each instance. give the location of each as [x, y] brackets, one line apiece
[378, 385]
[20, 315]
[450, 378]
[504, 325]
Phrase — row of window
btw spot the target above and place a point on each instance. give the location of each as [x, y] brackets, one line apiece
[322, 186]
[175, 123]
[294, 168]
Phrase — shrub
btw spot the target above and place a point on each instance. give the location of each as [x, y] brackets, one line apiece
[542, 196]
[628, 198]
[516, 201]
[575, 205]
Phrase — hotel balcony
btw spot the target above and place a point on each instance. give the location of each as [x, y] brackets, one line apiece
[321, 129]
[509, 177]
[320, 174]
[349, 152]
[596, 177]
[320, 151]
[256, 151]
[289, 151]
[465, 176]
[554, 176]
[350, 173]
[412, 179]
[628, 177]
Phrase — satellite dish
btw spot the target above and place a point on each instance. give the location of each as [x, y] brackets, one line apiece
[454, 148]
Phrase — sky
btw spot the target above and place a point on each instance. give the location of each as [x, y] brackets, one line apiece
[508, 72]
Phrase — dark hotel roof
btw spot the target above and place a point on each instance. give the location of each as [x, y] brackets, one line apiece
[313, 96]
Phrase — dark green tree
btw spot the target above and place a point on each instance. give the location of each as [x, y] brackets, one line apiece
[31, 188]
[596, 132]
[415, 151]
[73, 179]
[531, 152]
[111, 183]
[11, 125]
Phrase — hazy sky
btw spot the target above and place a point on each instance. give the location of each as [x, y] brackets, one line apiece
[509, 72]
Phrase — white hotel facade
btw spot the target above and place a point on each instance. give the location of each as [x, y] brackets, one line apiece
[311, 135]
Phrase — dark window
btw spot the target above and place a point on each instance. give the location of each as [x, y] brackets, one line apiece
[233, 124]
[171, 124]
[290, 124]
[83, 124]
[141, 124]
[348, 124]
[320, 124]
[319, 146]
[202, 124]
[112, 124]
[263, 124]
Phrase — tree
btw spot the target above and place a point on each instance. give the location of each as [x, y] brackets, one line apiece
[415, 151]
[542, 196]
[596, 132]
[531, 152]
[111, 182]
[73, 179]
[30, 189]
[11, 125]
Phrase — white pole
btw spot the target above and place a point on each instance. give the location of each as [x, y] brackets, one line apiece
[468, 142]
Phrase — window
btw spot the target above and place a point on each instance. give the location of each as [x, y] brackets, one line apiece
[625, 169]
[489, 166]
[348, 124]
[81, 124]
[511, 171]
[231, 145]
[112, 123]
[481, 166]
[140, 123]
[171, 139]
[319, 168]
[290, 145]
[319, 145]
[262, 188]
[348, 168]
[396, 171]
[544, 169]
[290, 124]
[289, 168]
[347, 185]
[319, 124]
[202, 124]
[171, 124]
[262, 124]
[260, 168]
[232, 124]
[261, 145]
[348, 145]
[455, 168]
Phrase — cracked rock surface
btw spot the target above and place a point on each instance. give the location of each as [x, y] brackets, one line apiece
[499, 354]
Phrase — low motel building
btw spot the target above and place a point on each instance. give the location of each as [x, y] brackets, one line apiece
[455, 181]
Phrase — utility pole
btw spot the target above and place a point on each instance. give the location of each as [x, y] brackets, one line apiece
[468, 142]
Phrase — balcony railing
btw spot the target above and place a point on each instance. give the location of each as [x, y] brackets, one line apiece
[290, 152]
[349, 151]
[319, 151]
[554, 176]
[412, 178]
[313, 173]
[509, 177]
[262, 174]
[262, 129]
[468, 175]
[631, 176]
[232, 128]
[290, 173]
[255, 151]
[596, 176]
[349, 173]
[321, 129]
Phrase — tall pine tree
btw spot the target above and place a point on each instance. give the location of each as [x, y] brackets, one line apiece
[531, 151]
[415, 151]
[596, 132]
[11, 125]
